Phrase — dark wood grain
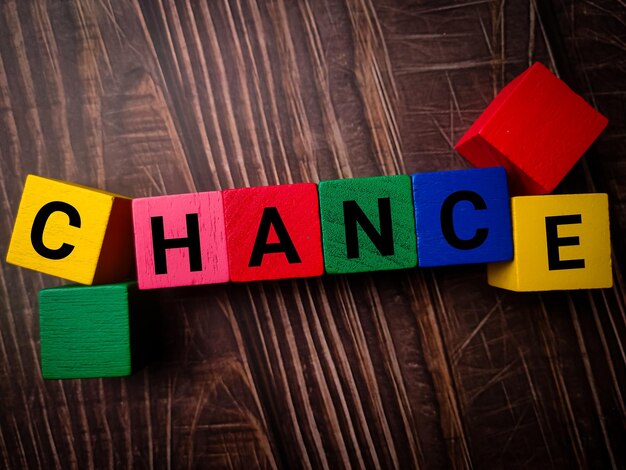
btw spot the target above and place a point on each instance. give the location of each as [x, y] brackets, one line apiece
[425, 368]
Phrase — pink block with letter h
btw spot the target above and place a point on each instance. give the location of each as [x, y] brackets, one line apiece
[180, 240]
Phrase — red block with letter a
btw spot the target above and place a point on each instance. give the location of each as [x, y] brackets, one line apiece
[273, 232]
[537, 128]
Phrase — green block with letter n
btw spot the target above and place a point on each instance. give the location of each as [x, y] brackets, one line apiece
[85, 331]
[368, 224]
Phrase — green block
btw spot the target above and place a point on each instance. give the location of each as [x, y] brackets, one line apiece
[85, 331]
[368, 224]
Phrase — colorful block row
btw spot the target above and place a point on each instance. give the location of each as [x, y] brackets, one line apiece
[300, 230]
[563, 241]
[536, 127]
[275, 232]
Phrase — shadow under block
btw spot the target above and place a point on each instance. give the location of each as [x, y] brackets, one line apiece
[73, 232]
[560, 242]
[85, 331]
[273, 232]
[462, 217]
[537, 128]
[368, 224]
[180, 240]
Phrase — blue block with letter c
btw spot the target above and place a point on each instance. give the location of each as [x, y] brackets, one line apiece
[462, 217]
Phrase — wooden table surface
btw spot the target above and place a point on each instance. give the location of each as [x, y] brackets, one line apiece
[428, 368]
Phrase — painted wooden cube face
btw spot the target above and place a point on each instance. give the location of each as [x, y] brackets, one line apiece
[273, 232]
[367, 224]
[85, 331]
[180, 240]
[537, 128]
[561, 242]
[462, 217]
[73, 232]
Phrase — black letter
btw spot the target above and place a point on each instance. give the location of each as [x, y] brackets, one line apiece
[160, 244]
[447, 224]
[261, 247]
[36, 232]
[383, 241]
[554, 242]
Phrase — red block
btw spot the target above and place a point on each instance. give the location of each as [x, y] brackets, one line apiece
[537, 128]
[273, 232]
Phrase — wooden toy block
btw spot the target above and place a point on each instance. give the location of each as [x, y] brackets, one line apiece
[537, 128]
[462, 217]
[367, 224]
[72, 231]
[560, 242]
[273, 232]
[85, 331]
[180, 240]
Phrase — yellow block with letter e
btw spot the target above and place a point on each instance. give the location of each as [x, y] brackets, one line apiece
[560, 242]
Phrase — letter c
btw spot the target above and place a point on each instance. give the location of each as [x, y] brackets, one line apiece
[39, 224]
[447, 225]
